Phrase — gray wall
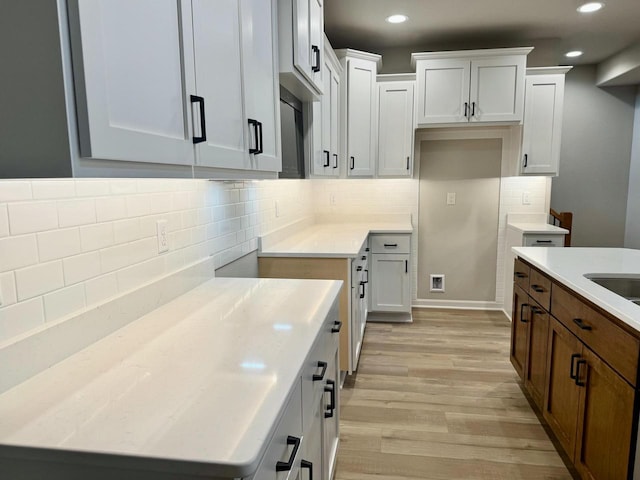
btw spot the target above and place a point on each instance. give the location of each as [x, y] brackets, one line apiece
[594, 159]
[459, 241]
[632, 232]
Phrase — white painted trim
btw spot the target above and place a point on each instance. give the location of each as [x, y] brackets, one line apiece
[488, 52]
[458, 304]
[396, 77]
[370, 57]
[562, 70]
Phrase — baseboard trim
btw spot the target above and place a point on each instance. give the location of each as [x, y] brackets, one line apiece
[458, 304]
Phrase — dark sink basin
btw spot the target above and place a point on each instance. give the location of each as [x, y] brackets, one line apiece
[625, 286]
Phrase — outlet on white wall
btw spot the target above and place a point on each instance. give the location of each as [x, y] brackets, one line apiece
[525, 198]
[277, 206]
[163, 241]
[451, 198]
[332, 199]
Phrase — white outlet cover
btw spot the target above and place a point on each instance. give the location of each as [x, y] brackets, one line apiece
[525, 198]
[163, 239]
[451, 198]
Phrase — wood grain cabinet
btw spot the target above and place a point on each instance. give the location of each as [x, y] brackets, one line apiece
[359, 111]
[542, 125]
[473, 86]
[580, 366]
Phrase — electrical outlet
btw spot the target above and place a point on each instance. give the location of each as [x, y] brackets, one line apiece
[277, 208]
[525, 198]
[332, 199]
[163, 240]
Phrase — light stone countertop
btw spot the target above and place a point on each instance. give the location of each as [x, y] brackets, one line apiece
[197, 385]
[543, 228]
[570, 265]
[331, 240]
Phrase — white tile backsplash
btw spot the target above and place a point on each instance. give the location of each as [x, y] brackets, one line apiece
[65, 243]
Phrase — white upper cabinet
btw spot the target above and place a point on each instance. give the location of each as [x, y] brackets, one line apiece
[131, 85]
[359, 112]
[325, 125]
[261, 87]
[217, 41]
[395, 127]
[475, 86]
[542, 129]
[300, 40]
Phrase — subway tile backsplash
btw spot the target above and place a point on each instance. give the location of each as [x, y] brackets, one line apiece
[69, 244]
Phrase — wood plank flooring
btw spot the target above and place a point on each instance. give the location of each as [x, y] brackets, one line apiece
[439, 399]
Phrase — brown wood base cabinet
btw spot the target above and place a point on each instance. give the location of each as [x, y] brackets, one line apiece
[580, 367]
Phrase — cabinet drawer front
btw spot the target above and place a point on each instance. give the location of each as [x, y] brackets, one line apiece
[616, 347]
[394, 243]
[540, 288]
[541, 240]
[521, 274]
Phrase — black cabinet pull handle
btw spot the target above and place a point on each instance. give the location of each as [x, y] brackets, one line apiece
[366, 249]
[466, 109]
[473, 109]
[261, 142]
[579, 322]
[203, 128]
[309, 465]
[353, 163]
[254, 124]
[572, 375]
[362, 285]
[578, 382]
[544, 241]
[520, 275]
[407, 163]
[288, 465]
[320, 376]
[326, 161]
[522, 317]
[390, 245]
[316, 51]
[330, 387]
[538, 288]
[337, 325]
[335, 160]
[526, 160]
[358, 269]
[367, 280]
[406, 266]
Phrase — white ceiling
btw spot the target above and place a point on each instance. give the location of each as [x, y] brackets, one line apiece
[552, 26]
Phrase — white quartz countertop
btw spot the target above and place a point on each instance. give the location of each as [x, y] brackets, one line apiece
[197, 385]
[330, 240]
[544, 228]
[570, 265]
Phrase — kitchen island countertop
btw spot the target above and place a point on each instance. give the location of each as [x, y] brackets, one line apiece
[194, 387]
[570, 265]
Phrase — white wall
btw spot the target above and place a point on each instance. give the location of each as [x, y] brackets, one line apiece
[69, 244]
[632, 230]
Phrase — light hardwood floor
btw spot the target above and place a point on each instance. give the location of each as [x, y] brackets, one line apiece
[439, 399]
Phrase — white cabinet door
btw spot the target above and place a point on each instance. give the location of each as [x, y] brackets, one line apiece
[497, 90]
[216, 42]
[311, 463]
[325, 126]
[316, 33]
[395, 129]
[542, 127]
[361, 117]
[335, 122]
[131, 87]
[302, 37]
[261, 87]
[443, 96]
[391, 285]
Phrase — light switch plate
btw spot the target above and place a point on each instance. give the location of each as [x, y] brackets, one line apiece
[451, 198]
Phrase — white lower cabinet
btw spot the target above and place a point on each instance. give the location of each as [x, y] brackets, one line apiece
[306, 440]
[359, 303]
[391, 273]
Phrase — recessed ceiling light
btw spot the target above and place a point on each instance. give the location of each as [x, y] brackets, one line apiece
[573, 53]
[397, 19]
[590, 7]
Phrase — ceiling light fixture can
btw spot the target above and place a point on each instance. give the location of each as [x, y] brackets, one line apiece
[573, 54]
[590, 7]
[397, 18]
